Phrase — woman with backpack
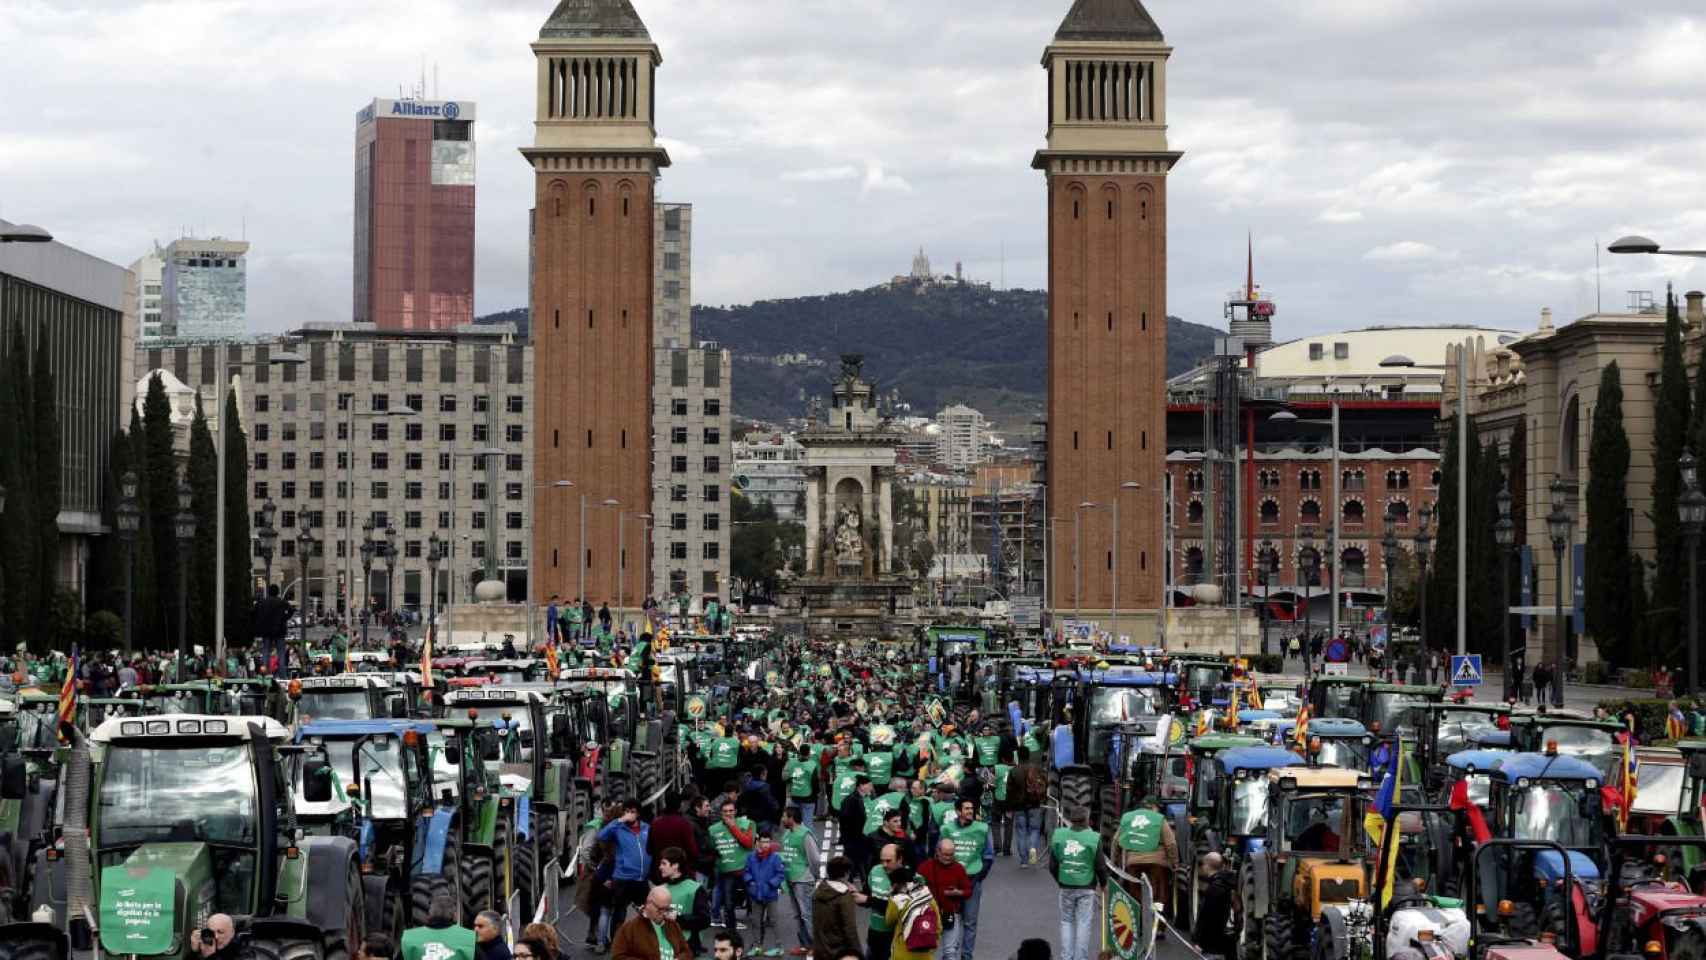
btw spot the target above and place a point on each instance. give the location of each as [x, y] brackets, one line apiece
[914, 917]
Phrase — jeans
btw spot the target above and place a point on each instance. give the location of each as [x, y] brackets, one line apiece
[760, 920]
[952, 940]
[727, 885]
[808, 810]
[800, 898]
[879, 944]
[1077, 922]
[1028, 831]
[968, 920]
[1001, 824]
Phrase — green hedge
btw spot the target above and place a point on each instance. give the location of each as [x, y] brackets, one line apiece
[1267, 663]
[1649, 716]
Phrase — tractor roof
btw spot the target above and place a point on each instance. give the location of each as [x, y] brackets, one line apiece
[473, 696]
[340, 729]
[1564, 720]
[1492, 739]
[1251, 716]
[1535, 766]
[345, 681]
[1344, 681]
[1335, 727]
[1420, 690]
[1127, 677]
[1485, 709]
[1212, 742]
[1311, 778]
[173, 725]
[1477, 761]
[1256, 758]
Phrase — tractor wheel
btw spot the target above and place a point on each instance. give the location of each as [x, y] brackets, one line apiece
[1250, 929]
[1690, 946]
[1525, 920]
[645, 776]
[478, 874]
[424, 886]
[548, 850]
[285, 949]
[1278, 941]
[524, 866]
[1077, 790]
[1108, 813]
[342, 943]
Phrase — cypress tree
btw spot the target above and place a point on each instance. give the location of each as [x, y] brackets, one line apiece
[1640, 617]
[1484, 556]
[1670, 427]
[239, 553]
[106, 554]
[1606, 601]
[203, 472]
[145, 595]
[44, 477]
[1442, 566]
[161, 470]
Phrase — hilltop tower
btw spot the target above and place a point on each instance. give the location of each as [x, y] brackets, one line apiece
[1106, 165]
[596, 161]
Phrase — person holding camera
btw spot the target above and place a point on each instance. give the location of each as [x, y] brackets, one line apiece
[218, 940]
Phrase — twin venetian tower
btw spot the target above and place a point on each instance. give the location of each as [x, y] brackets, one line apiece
[596, 161]
[1107, 163]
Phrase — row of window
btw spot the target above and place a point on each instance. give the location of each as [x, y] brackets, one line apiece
[1351, 514]
[678, 464]
[712, 436]
[411, 549]
[712, 407]
[381, 431]
[1349, 480]
[381, 402]
[177, 359]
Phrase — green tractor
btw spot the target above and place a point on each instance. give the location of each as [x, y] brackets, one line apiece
[28, 786]
[603, 704]
[469, 755]
[169, 819]
[348, 696]
[1337, 696]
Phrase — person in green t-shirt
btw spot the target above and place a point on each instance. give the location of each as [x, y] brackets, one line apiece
[724, 754]
[975, 851]
[1146, 845]
[800, 860]
[1074, 858]
[732, 837]
[879, 884]
[879, 806]
[441, 938]
[1000, 815]
[690, 902]
[800, 774]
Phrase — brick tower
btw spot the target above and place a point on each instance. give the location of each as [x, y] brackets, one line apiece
[596, 161]
[1106, 163]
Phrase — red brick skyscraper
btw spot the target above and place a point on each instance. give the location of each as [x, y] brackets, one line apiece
[596, 160]
[1106, 163]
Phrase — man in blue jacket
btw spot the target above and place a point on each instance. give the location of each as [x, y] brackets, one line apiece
[633, 864]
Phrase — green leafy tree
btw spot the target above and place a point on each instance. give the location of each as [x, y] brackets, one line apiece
[1640, 617]
[760, 546]
[239, 554]
[1670, 437]
[1442, 566]
[160, 483]
[204, 492]
[1607, 610]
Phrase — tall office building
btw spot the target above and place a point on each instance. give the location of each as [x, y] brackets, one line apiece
[414, 214]
[960, 445]
[1106, 165]
[142, 292]
[204, 289]
[596, 160]
[672, 265]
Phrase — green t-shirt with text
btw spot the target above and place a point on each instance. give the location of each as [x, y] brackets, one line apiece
[1075, 856]
[969, 841]
[880, 887]
[799, 774]
[731, 855]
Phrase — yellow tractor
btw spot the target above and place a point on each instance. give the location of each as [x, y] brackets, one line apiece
[1315, 854]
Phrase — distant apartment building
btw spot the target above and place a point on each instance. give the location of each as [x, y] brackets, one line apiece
[142, 292]
[378, 426]
[202, 291]
[77, 302]
[672, 275]
[414, 214]
[960, 444]
[772, 470]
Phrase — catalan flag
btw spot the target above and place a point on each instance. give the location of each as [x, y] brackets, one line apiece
[1301, 734]
[1631, 774]
[68, 695]
[551, 660]
[426, 665]
[1675, 723]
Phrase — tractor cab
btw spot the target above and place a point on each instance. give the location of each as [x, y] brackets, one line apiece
[1338, 742]
[379, 768]
[1029, 682]
[195, 815]
[36, 722]
[199, 697]
[1551, 799]
[1108, 708]
[1473, 769]
[1505, 926]
[1593, 741]
[1315, 854]
[1336, 697]
[1396, 709]
[1281, 696]
[1203, 774]
[521, 670]
[952, 652]
[1200, 679]
[346, 696]
[1240, 818]
[255, 697]
[1449, 728]
[94, 711]
[517, 717]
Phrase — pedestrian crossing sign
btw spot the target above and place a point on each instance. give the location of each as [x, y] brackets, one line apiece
[1466, 670]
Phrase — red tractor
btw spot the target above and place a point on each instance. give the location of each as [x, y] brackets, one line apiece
[1645, 912]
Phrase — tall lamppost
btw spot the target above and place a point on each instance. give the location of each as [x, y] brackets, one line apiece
[390, 547]
[435, 555]
[185, 523]
[1692, 508]
[1389, 558]
[267, 534]
[129, 522]
[283, 358]
[1504, 531]
[1424, 540]
[368, 547]
[1310, 560]
[1268, 563]
[1558, 524]
[304, 549]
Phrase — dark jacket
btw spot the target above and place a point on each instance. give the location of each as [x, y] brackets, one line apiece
[852, 817]
[835, 920]
[272, 618]
[493, 949]
[674, 830]
[1214, 910]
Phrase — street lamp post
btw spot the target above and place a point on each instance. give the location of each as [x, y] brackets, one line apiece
[1692, 508]
[1268, 563]
[1114, 614]
[368, 548]
[455, 491]
[1504, 531]
[1310, 561]
[267, 534]
[185, 523]
[390, 546]
[1389, 558]
[129, 522]
[1558, 524]
[1424, 539]
[284, 358]
[435, 554]
[304, 550]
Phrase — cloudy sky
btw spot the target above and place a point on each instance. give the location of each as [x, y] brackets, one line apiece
[1396, 160]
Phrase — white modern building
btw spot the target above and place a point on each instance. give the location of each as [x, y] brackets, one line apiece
[142, 292]
[203, 289]
[771, 469]
[960, 444]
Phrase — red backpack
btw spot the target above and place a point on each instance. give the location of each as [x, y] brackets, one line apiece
[923, 924]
